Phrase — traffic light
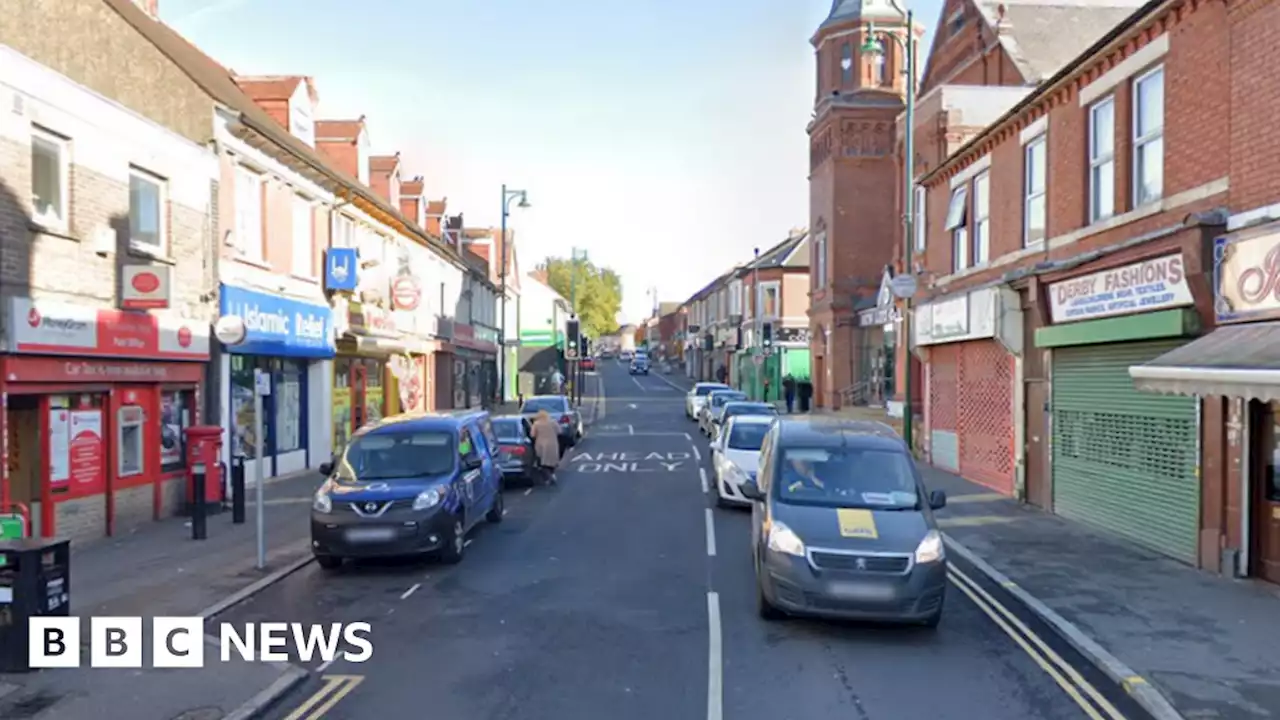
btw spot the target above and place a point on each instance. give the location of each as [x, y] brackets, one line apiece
[571, 339]
[766, 334]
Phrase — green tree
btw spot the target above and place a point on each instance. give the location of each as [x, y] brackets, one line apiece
[596, 292]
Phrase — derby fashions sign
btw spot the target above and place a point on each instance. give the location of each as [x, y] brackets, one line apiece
[1247, 275]
[50, 328]
[1157, 284]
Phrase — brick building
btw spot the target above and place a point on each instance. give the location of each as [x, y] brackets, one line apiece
[775, 289]
[1083, 239]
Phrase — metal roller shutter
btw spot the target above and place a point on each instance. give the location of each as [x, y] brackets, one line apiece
[1124, 460]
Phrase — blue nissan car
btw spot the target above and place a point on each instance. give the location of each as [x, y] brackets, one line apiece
[408, 485]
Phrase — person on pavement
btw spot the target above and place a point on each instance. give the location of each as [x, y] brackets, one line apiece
[789, 392]
[557, 382]
[766, 389]
[546, 445]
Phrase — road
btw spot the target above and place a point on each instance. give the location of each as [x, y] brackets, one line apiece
[622, 593]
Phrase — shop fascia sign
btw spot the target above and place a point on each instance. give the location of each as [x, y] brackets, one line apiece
[369, 319]
[952, 319]
[1155, 284]
[246, 318]
[55, 328]
[1246, 272]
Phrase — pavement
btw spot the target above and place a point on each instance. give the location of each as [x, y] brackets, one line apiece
[158, 570]
[623, 592]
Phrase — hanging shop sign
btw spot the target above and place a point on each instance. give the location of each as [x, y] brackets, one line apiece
[341, 269]
[145, 287]
[1156, 284]
[275, 325]
[51, 328]
[792, 335]
[1247, 275]
[406, 293]
[369, 319]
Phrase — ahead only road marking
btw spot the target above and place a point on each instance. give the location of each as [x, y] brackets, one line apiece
[335, 687]
[1066, 676]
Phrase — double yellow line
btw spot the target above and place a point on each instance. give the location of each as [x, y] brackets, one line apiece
[333, 689]
[1068, 678]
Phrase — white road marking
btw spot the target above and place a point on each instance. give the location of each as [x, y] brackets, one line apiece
[465, 544]
[504, 512]
[696, 452]
[526, 492]
[325, 665]
[715, 677]
[711, 533]
[636, 380]
[702, 474]
[631, 406]
[410, 591]
[631, 429]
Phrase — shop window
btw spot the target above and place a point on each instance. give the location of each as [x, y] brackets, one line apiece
[243, 441]
[130, 441]
[341, 402]
[287, 395]
[177, 408]
[374, 398]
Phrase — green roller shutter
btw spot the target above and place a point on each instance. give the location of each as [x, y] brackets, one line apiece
[1124, 460]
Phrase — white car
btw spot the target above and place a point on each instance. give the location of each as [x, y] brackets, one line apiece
[716, 400]
[697, 397]
[735, 457]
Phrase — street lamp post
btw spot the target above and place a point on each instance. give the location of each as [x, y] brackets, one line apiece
[874, 48]
[574, 257]
[507, 197]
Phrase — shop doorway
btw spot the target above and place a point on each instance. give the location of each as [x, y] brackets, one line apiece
[23, 423]
[1264, 482]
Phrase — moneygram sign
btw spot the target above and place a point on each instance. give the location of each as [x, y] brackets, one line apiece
[181, 642]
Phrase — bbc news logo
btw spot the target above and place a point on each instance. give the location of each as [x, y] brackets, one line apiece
[179, 642]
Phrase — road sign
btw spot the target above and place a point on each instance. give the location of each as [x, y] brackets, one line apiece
[903, 286]
[758, 360]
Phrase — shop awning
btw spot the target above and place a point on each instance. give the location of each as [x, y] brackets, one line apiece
[1232, 361]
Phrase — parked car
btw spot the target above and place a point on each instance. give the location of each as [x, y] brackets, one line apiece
[515, 448]
[562, 411]
[697, 397]
[715, 401]
[588, 364]
[841, 525]
[408, 485]
[735, 456]
[739, 407]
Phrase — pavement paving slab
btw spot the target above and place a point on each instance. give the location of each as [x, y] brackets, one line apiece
[158, 570]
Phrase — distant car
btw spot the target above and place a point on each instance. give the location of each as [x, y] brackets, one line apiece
[588, 364]
[640, 365]
[561, 411]
[407, 485]
[715, 401]
[735, 457]
[625, 356]
[515, 448]
[842, 526]
[736, 407]
[697, 397]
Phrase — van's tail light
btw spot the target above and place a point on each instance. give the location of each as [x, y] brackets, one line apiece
[513, 449]
[566, 419]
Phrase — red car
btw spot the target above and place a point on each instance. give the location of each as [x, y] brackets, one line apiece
[589, 363]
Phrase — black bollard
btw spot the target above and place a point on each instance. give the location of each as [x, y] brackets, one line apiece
[237, 490]
[199, 530]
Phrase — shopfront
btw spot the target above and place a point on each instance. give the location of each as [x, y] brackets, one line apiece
[291, 340]
[95, 402]
[876, 351]
[373, 358]
[968, 343]
[475, 366]
[1235, 370]
[1120, 459]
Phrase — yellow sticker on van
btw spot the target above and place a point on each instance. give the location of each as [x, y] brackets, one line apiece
[856, 523]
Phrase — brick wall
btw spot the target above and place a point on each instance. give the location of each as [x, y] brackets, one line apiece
[1254, 92]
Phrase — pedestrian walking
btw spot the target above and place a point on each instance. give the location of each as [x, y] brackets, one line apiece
[557, 382]
[789, 392]
[766, 389]
[546, 446]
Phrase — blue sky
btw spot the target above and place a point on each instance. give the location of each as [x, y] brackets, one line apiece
[665, 137]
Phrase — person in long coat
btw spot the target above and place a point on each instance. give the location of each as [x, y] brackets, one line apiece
[546, 445]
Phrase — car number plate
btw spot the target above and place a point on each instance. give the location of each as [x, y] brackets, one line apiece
[862, 591]
[363, 535]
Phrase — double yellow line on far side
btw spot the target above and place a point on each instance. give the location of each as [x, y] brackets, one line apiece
[331, 692]
[1095, 706]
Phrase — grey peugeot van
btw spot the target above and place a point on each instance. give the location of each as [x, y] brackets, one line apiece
[841, 526]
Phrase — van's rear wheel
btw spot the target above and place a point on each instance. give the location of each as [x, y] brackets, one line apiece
[329, 562]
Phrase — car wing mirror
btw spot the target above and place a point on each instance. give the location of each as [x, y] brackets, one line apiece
[472, 462]
[326, 468]
[751, 490]
[937, 500]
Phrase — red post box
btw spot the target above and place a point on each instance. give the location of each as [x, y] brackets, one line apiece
[204, 451]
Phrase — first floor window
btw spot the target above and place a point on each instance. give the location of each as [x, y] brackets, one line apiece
[49, 178]
[146, 211]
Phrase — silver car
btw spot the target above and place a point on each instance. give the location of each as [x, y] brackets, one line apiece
[562, 411]
[697, 397]
[841, 525]
[715, 401]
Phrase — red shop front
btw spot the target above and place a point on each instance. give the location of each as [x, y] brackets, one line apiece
[95, 443]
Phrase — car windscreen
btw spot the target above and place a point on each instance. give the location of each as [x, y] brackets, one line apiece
[721, 399]
[551, 405]
[760, 409]
[509, 429]
[704, 390]
[748, 436]
[848, 477]
[399, 455]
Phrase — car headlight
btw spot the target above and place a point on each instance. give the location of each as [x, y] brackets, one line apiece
[783, 540]
[322, 503]
[733, 474]
[427, 499]
[930, 548]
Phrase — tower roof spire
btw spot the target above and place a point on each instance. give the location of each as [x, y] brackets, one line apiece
[843, 11]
